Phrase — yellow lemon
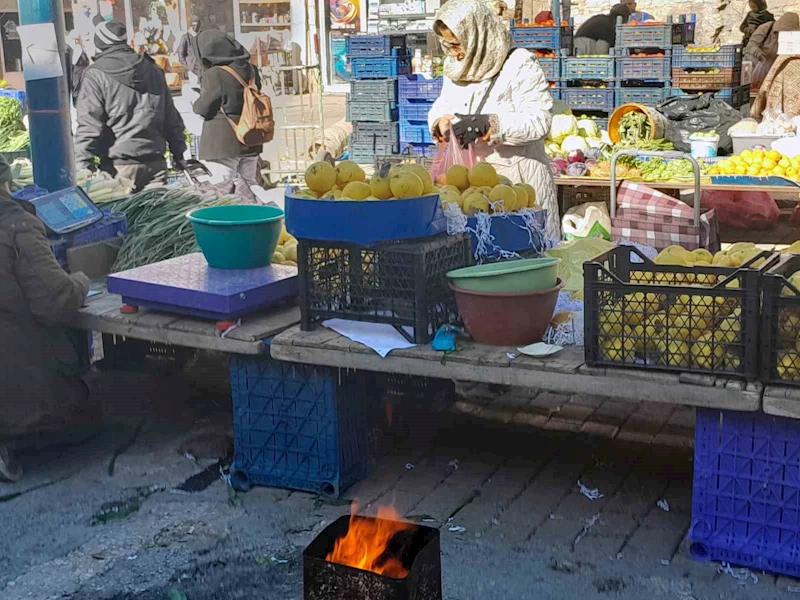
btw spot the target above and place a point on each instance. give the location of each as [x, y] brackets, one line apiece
[503, 198]
[774, 155]
[379, 187]
[406, 184]
[740, 169]
[522, 196]
[458, 176]
[785, 163]
[424, 176]
[752, 170]
[356, 190]
[450, 197]
[482, 174]
[475, 203]
[347, 171]
[778, 171]
[504, 180]
[451, 188]
[320, 177]
[768, 164]
[333, 194]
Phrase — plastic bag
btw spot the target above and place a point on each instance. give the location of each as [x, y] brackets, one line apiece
[698, 113]
[743, 210]
[451, 153]
[587, 220]
[573, 254]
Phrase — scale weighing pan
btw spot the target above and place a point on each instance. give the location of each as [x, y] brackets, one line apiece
[66, 210]
[187, 285]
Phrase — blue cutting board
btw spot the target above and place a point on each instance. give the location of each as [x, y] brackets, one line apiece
[187, 285]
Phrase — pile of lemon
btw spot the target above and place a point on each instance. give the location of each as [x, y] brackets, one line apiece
[683, 329]
[758, 163]
[481, 189]
[286, 251]
[347, 181]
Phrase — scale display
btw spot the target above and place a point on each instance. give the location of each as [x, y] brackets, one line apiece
[66, 210]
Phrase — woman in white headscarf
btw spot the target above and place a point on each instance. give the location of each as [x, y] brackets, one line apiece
[496, 97]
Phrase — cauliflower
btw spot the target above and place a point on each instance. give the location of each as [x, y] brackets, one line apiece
[574, 142]
[588, 128]
[563, 126]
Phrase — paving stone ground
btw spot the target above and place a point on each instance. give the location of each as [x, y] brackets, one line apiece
[537, 495]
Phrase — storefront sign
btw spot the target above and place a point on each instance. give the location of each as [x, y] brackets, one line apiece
[344, 15]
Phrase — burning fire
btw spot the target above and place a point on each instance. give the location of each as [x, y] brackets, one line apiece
[367, 540]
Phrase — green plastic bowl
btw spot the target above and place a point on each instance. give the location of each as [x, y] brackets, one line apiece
[240, 236]
[508, 277]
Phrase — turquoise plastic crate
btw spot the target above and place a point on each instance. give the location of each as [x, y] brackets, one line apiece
[361, 110]
[587, 68]
[297, 426]
[651, 69]
[551, 67]
[364, 154]
[727, 56]
[649, 36]
[369, 133]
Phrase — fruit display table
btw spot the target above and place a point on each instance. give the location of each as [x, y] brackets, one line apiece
[675, 185]
[565, 372]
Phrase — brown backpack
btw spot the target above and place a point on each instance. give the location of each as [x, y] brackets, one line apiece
[256, 125]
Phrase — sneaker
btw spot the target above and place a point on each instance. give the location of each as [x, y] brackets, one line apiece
[9, 468]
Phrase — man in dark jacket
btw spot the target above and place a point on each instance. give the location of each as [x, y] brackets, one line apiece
[40, 386]
[188, 52]
[126, 116]
[597, 35]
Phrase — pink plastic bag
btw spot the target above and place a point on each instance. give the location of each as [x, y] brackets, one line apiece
[743, 210]
[451, 153]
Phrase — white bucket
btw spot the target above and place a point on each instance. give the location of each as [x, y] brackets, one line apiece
[704, 147]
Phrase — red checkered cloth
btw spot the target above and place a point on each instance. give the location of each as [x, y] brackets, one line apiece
[647, 216]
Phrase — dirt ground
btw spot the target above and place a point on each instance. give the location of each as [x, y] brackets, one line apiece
[496, 471]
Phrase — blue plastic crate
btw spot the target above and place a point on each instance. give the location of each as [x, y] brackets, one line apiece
[415, 133]
[297, 426]
[726, 56]
[642, 95]
[17, 95]
[417, 87]
[375, 45]
[369, 133]
[380, 67]
[557, 90]
[590, 67]
[364, 154]
[601, 99]
[360, 110]
[657, 68]
[551, 67]
[746, 490]
[415, 110]
[543, 38]
[649, 36]
[374, 90]
[29, 192]
[510, 233]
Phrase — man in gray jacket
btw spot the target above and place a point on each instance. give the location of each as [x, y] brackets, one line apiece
[126, 116]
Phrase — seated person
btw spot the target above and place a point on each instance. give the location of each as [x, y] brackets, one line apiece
[40, 385]
[598, 34]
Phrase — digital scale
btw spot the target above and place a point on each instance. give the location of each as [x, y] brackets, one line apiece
[187, 285]
[66, 210]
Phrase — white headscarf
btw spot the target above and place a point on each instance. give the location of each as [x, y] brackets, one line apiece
[484, 39]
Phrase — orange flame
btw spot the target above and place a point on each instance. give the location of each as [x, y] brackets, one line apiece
[366, 541]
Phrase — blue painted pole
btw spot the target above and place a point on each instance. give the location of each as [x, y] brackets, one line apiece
[48, 106]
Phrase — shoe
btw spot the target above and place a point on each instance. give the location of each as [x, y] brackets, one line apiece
[9, 468]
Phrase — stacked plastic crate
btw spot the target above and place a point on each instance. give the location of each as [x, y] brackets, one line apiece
[416, 95]
[589, 90]
[713, 68]
[548, 44]
[376, 62]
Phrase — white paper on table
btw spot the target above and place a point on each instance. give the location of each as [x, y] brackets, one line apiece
[40, 56]
[380, 337]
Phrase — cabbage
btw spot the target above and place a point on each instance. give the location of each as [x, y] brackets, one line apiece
[573, 142]
[594, 142]
[563, 126]
[553, 150]
[560, 108]
[588, 128]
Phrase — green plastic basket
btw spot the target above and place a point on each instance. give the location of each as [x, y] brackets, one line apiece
[242, 236]
[508, 277]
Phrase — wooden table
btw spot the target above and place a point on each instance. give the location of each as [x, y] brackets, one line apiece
[566, 372]
[101, 313]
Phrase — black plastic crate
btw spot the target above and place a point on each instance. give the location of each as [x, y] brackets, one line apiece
[402, 283]
[375, 132]
[698, 319]
[780, 323]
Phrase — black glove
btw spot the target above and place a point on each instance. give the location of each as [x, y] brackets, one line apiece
[179, 164]
[470, 128]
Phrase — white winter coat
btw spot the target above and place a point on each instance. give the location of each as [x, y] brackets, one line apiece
[522, 102]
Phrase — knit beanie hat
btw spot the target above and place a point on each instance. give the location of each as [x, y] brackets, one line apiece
[109, 33]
